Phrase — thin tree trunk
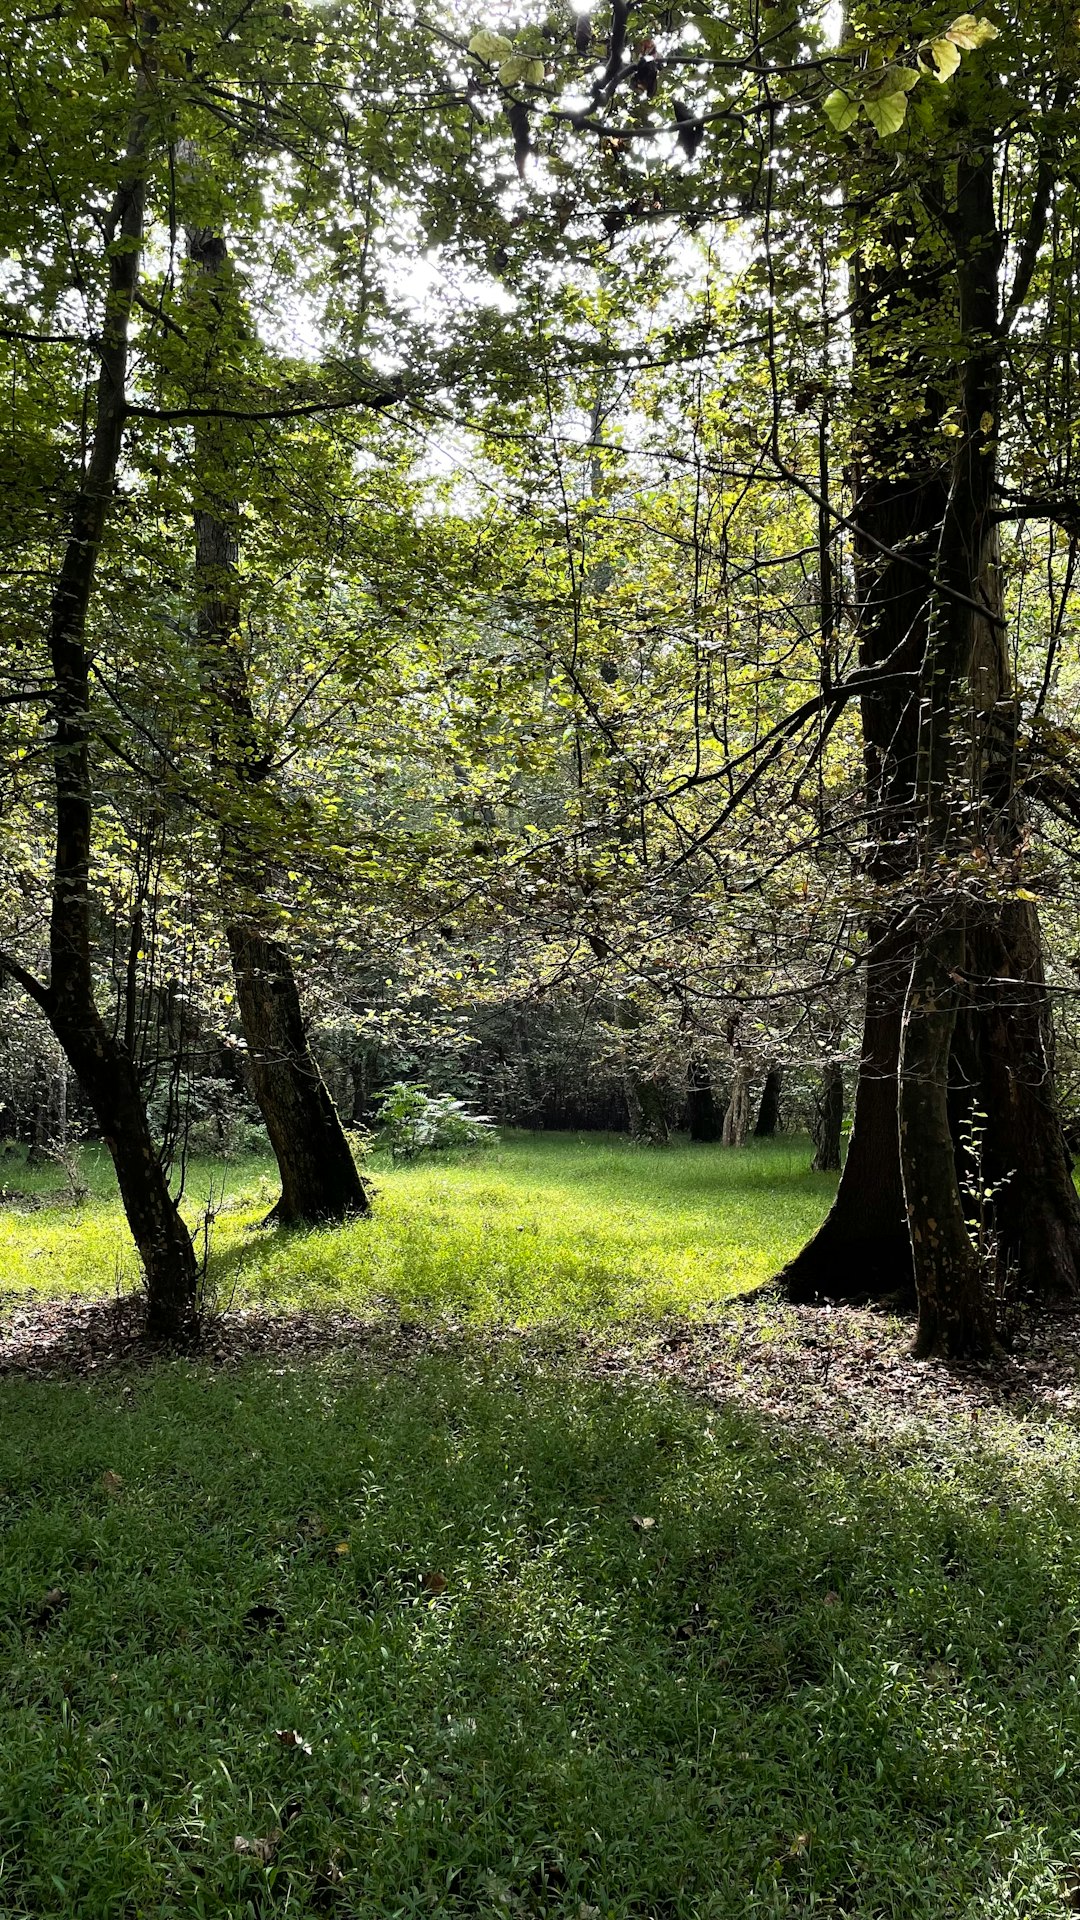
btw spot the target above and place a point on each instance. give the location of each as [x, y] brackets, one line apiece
[319, 1178]
[828, 1120]
[704, 1119]
[102, 1063]
[768, 1116]
[737, 1117]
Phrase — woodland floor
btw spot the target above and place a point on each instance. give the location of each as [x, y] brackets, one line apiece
[380, 1609]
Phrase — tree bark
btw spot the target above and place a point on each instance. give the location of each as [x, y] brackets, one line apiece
[828, 1120]
[737, 1117]
[1000, 1030]
[704, 1120]
[863, 1245]
[102, 1063]
[320, 1181]
[768, 1115]
[954, 1317]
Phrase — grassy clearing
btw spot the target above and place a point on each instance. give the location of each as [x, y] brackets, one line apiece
[538, 1228]
[557, 1648]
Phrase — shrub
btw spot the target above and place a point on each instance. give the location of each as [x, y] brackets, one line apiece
[413, 1121]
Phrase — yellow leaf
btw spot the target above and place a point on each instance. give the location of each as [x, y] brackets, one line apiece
[342, 1547]
[946, 58]
[968, 33]
[490, 46]
[986, 423]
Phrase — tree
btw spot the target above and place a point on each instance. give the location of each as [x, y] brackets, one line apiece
[319, 1178]
[942, 129]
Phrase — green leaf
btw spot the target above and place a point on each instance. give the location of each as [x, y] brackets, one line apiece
[521, 70]
[490, 46]
[886, 112]
[840, 110]
[896, 80]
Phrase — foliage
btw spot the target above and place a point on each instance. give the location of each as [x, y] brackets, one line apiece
[413, 1121]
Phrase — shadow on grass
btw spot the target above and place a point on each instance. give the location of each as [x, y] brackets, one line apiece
[454, 1636]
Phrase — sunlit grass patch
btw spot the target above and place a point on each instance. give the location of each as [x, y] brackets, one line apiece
[540, 1227]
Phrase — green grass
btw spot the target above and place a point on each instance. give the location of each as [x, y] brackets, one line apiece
[537, 1228]
[820, 1682]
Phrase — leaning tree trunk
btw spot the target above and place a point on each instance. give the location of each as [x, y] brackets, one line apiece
[320, 1181]
[102, 1063]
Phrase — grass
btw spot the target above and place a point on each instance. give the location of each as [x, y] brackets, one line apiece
[471, 1637]
[557, 1648]
[538, 1228]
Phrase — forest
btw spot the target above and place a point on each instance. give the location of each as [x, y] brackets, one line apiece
[539, 958]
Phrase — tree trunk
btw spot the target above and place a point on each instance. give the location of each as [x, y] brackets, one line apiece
[1001, 1038]
[828, 1120]
[319, 1178]
[102, 1063]
[953, 1313]
[862, 1245]
[737, 1117]
[768, 1117]
[107, 1075]
[1005, 1057]
[704, 1120]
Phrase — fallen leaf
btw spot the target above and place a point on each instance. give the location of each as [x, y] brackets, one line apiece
[434, 1583]
[290, 1738]
[642, 1521]
[832, 1599]
[112, 1482]
[53, 1603]
[262, 1615]
[342, 1547]
[262, 1848]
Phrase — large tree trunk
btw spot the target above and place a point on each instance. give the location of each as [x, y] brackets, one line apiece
[319, 1178]
[1000, 1031]
[102, 1063]
[953, 1313]
[862, 1245]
